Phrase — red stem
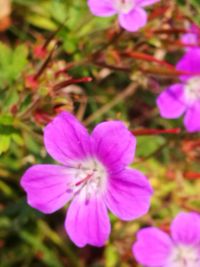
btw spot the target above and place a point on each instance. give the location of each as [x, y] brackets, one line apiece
[63, 84]
[192, 175]
[146, 57]
[156, 131]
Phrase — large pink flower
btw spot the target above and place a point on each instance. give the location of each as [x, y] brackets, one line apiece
[154, 248]
[132, 15]
[93, 175]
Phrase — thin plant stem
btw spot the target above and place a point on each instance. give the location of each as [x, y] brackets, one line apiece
[129, 91]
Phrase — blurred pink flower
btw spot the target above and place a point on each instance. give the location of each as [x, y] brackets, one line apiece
[191, 39]
[184, 97]
[93, 174]
[155, 248]
[132, 15]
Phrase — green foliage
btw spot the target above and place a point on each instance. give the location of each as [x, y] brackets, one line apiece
[111, 256]
[149, 144]
[7, 133]
[12, 63]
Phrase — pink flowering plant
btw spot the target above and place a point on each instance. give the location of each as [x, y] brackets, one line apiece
[81, 83]
[154, 247]
[184, 97]
[131, 13]
[94, 174]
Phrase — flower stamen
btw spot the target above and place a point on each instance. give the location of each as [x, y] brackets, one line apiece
[184, 256]
[84, 179]
[124, 6]
[192, 89]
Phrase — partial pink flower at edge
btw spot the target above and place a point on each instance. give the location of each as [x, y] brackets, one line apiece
[191, 39]
[93, 175]
[183, 98]
[132, 15]
[154, 247]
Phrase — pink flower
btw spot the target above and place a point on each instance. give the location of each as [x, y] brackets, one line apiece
[184, 97]
[93, 174]
[154, 248]
[132, 15]
[191, 38]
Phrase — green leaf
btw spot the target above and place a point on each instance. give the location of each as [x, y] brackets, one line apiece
[11, 98]
[5, 55]
[17, 139]
[111, 256]
[42, 22]
[31, 144]
[12, 63]
[19, 60]
[5, 188]
[4, 143]
[146, 145]
[49, 256]
[6, 119]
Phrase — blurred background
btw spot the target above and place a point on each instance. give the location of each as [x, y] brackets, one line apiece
[54, 56]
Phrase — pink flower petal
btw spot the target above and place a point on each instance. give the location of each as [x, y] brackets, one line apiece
[190, 63]
[185, 228]
[152, 247]
[133, 20]
[144, 3]
[171, 102]
[113, 144]
[88, 222]
[129, 194]
[46, 187]
[66, 140]
[192, 118]
[102, 8]
[190, 39]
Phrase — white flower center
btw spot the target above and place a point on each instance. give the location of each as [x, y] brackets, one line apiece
[190, 39]
[192, 89]
[89, 178]
[184, 256]
[124, 6]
